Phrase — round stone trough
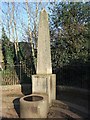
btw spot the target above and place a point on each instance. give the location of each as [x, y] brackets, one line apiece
[33, 106]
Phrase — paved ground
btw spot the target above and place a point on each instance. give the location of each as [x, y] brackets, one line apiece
[9, 98]
[77, 100]
[10, 103]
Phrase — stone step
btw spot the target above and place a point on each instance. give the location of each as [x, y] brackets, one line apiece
[55, 114]
[74, 89]
[58, 103]
[79, 109]
[72, 93]
[67, 112]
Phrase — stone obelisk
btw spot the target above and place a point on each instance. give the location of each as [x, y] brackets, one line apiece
[44, 81]
[44, 53]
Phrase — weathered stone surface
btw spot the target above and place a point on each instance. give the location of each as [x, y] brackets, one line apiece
[44, 81]
[45, 84]
[67, 112]
[34, 106]
[44, 53]
[12, 113]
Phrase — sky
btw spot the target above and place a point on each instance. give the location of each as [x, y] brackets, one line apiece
[45, 0]
[22, 15]
[0, 19]
[29, 0]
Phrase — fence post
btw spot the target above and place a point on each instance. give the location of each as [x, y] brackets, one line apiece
[20, 71]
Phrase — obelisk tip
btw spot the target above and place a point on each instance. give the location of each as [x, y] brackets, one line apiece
[43, 10]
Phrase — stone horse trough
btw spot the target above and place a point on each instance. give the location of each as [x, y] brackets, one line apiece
[33, 105]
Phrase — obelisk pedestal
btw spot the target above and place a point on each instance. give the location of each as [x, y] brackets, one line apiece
[45, 84]
[44, 81]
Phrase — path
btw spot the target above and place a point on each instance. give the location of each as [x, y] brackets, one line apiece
[10, 105]
[76, 100]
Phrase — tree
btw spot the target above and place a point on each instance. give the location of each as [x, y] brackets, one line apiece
[69, 32]
[7, 49]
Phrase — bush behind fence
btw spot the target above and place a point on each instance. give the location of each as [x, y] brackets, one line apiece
[9, 76]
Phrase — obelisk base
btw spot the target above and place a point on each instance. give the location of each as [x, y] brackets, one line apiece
[45, 83]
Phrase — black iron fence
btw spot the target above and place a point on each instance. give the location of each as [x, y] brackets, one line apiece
[9, 75]
[16, 74]
[76, 76]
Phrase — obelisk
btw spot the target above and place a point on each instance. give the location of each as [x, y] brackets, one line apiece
[44, 53]
[44, 82]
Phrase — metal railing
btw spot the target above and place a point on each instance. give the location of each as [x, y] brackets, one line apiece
[9, 75]
[16, 74]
